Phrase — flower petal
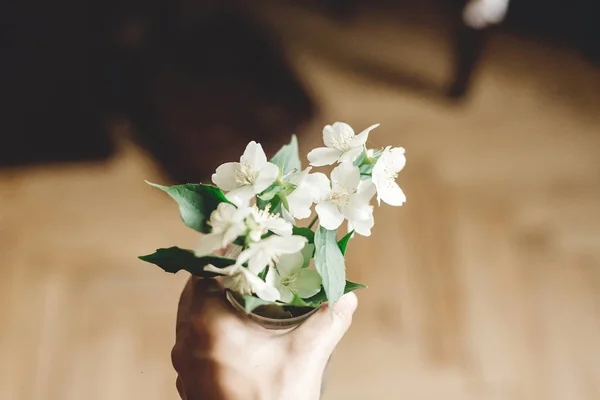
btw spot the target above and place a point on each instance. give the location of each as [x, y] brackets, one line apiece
[360, 139]
[235, 230]
[272, 278]
[343, 131]
[266, 176]
[222, 217]
[254, 156]
[357, 211]
[318, 185]
[351, 154]
[290, 264]
[313, 188]
[286, 214]
[323, 156]
[256, 256]
[285, 295]
[260, 287]
[363, 227]
[307, 252]
[279, 226]
[361, 220]
[259, 260]
[366, 190]
[358, 206]
[285, 244]
[308, 283]
[299, 203]
[298, 177]
[241, 196]
[245, 255]
[261, 254]
[208, 244]
[393, 159]
[335, 134]
[346, 175]
[330, 216]
[391, 194]
[225, 176]
[397, 158]
[228, 271]
[350, 229]
[330, 136]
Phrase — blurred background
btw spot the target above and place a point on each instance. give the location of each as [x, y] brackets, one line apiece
[485, 285]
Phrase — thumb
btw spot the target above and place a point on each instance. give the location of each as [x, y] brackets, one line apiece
[324, 330]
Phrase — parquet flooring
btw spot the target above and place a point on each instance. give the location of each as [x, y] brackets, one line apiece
[485, 285]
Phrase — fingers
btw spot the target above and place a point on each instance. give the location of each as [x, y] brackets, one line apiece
[195, 293]
[209, 309]
[324, 330]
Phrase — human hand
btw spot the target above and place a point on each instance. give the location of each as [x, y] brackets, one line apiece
[219, 354]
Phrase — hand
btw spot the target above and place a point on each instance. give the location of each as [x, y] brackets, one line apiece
[220, 355]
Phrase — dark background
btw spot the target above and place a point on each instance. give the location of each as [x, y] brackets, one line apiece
[195, 75]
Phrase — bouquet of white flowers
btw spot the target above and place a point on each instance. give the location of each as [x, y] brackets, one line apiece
[250, 218]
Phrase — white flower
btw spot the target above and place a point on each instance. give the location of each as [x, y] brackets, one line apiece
[242, 281]
[259, 222]
[250, 176]
[364, 220]
[290, 279]
[385, 173]
[309, 189]
[287, 215]
[227, 223]
[267, 251]
[348, 198]
[342, 144]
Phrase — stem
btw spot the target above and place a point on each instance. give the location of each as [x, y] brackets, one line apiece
[313, 222]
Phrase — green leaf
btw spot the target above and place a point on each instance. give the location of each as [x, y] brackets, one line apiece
[366, 170]
[263, 274]
[251, 302]
[270, 192]
[329, 261]
[308, 252]
[317, 299]
[359, 160]
[174, 259]
[343, 243]
[321, 297]
[275, 203]
[282, 203]
[297, 301]
[307, 233]
[196, 203]
[287, 188]
[262, 204]
[352, 286]
[288, 157]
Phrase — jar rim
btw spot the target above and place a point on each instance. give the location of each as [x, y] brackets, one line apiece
[269, 323]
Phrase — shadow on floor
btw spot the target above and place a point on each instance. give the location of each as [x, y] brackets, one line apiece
[195, 94]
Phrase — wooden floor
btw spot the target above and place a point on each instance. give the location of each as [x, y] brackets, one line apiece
[484, 286]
